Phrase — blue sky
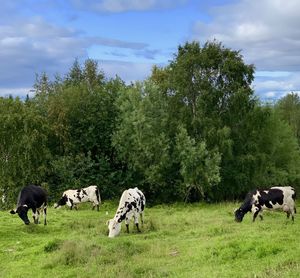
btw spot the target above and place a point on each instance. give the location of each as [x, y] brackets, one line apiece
[128, 37]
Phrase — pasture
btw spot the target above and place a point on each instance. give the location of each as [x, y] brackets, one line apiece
[180, 240]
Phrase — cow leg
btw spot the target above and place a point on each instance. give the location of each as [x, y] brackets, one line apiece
[255, 215]
[38, 216]
[288, 214]
[127, 224]
[142, 217]
[45, 215]
[96, 205]
[136, 221]
[292, 211]
[35, 215]
[261, 216]
[75, 206]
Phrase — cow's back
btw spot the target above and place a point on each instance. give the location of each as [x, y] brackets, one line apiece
[32, 195]
[132, 195]
[288, 193]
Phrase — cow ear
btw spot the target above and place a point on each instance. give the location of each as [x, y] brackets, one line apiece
[12, 212]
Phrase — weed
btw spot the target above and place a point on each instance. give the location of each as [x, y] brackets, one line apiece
[52, 245]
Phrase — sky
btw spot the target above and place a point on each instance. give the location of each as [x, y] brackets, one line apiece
[128, 37]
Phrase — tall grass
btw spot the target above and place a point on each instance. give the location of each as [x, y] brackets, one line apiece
[176, 241]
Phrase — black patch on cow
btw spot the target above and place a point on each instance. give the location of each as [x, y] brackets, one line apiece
[63, 200]
[71, 201]
[122, 217]
[272, 196]
[133, 204]
[294, 195]
[78, 195]
[84, 192]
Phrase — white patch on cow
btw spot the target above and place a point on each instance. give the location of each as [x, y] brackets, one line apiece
[254, 208]
[255, 197]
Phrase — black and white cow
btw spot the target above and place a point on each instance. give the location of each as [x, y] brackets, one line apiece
[273, 198]
[31, 197]
[72, 197]
[132, 203]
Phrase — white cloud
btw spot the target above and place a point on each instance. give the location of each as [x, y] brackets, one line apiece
[276, 85]
[267, 32]
[35, 46]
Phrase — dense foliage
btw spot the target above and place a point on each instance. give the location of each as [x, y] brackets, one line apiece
[193, 130]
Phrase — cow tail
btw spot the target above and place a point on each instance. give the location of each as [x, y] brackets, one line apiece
[294, 198]
[98, 195]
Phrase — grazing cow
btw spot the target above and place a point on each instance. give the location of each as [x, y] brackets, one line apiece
[273, 198]
[73, 197]
[31, 197]
[132, 203]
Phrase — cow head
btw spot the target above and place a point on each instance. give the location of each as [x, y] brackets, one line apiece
[61, 202]
[239, 215]
[114, 228]
[22, 212]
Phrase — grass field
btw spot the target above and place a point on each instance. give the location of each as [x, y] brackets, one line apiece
[179, 240]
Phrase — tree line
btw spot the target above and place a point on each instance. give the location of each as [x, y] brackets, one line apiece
[194, 130]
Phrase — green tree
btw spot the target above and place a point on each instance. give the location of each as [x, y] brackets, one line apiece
[288, 109]
[81, 113]
[25, 156]
[199, 168]
[208, 90]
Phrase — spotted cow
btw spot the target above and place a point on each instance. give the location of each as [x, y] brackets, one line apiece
[273, 198]
[132, 203]
[31, 197]
[72, 197]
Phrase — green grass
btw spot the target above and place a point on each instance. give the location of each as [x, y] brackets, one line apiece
[179, 240]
